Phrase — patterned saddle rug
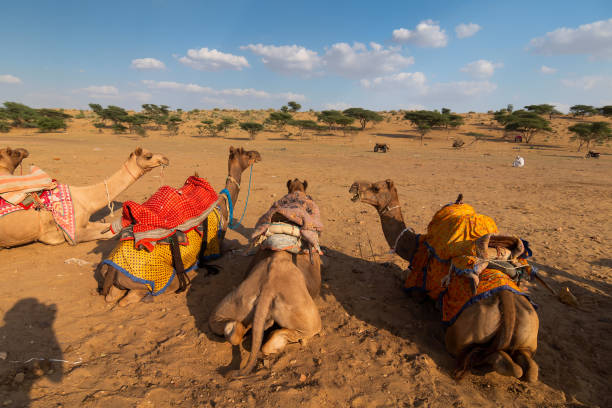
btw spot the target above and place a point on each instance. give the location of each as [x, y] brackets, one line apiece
[58, 201]
[446, 261]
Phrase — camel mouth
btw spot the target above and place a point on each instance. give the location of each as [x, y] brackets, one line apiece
[355, 191]
[355, 197]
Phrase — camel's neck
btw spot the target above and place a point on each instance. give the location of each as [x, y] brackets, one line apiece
[6, 170]
[393, 225]
[234, 178]
[97, 196]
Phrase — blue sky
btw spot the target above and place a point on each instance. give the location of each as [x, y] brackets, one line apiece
[465, 55]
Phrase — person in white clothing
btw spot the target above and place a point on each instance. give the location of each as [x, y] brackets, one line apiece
[518, 162]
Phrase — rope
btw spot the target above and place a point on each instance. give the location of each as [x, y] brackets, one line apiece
[232, 224]
[230, 210]
[110, 204]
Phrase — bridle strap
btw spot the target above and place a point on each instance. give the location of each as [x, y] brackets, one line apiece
[130, 173]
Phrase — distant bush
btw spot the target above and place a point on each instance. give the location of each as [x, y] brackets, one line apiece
[118, 128]
[46, 124]
[252, 127]
[4, 127]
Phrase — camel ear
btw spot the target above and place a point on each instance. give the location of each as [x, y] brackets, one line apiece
[389, 183]
[9, 151]
[305, 185]
[138, 151]
[289, 185]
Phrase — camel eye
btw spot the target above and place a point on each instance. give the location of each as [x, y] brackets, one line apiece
[376, 189]
[148, 156]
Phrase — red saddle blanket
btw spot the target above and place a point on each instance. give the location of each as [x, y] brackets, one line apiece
[167, 211]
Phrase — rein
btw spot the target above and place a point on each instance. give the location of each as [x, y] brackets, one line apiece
[231, 224]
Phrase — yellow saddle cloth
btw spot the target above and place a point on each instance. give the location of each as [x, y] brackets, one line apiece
[155, 268]
[449, 248]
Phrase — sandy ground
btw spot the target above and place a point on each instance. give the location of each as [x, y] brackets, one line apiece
[378, 348]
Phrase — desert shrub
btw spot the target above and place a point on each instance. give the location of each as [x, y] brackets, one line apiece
[280, 119]
[363, 115]
[80, 115]
[99, 126]
[173, 124]
[4, 127]
[46, 124]
[118, 128]
[252, 127]
[294, 106]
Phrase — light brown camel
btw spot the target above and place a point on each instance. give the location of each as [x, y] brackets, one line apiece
[10, 159]
[277, 289]
[501, 330]
[238, 161]
[23, 227]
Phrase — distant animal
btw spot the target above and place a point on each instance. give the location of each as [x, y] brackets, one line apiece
[592, 154]
[381, 147]
[518, 139]
[458, 143]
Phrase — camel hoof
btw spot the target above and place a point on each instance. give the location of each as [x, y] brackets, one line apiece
[131, 297]
[113, 295]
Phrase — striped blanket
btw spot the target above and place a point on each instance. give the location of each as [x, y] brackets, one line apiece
[14, 189]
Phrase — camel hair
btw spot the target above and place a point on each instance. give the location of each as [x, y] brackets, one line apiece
[277, 289]
[26, 226]
[239, 160]
[501, 330]
[10, 159]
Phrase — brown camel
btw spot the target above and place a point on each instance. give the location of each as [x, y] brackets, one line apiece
[277, 289]
[239, 160]
[23, 227]
[10, 159]
[500, 330]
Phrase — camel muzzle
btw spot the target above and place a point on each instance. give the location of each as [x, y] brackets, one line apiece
[355, 191]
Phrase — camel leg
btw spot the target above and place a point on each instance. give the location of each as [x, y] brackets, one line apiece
[133, 296]
[304, 325]
[529, 366]
[94, 231]
[114, 294]
[234, 332]
[503, 364]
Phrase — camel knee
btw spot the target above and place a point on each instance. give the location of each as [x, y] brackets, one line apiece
[114, 294]
[234, 332]
[133, 296]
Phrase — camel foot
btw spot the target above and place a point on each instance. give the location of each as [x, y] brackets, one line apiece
[114, 294]
[133, 296]
[503, 364]
[529, 366]
[234, 332]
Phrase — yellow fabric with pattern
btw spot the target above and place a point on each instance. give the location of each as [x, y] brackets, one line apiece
[213, 244]
[154, 269]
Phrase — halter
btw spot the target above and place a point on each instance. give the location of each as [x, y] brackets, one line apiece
[231, 224]
[130, 173]
[387, 209]
[233, 180]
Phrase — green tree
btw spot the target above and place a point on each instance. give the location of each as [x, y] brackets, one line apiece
[446, 111]
[4, 127]
[363, 116]
[424, 120]
[252, 127]
[173, 124]
[47, 124]
[226, 123]
[543, 109]
[510, 108]
[208, 127]
[606, 110]
[451, 121]
[284, 109]
[587, 133]
[331, 118]
[294, 106]
[20, 114]
[304, 125]
[528, 123]
[582, 110]
[280, 119]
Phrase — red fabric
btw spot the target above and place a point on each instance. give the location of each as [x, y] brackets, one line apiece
[169, 207]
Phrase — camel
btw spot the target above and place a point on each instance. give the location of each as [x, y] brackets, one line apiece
[277, 289]
[500, 330]
[239, 160]
[10, 159]
[23, 227]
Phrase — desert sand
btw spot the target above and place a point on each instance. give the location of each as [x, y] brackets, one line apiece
[378, 348]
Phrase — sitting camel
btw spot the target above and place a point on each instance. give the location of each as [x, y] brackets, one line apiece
[117, 284]
[277, 289]
[499, 328]
[26, 226]
[10, 159]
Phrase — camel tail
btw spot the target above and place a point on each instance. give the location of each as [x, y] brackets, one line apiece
[459, 199]
[259, 320]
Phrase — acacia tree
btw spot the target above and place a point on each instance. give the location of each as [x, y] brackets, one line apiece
[528, 123]
[226, 123]
[363, 116]
[606, 110]
[303, 125]
[294, 106]
[280, 119]
[583, 110]
[424, 120]
[331, 118]
[543, 109]
[450, 120]
[587, 133]
[252, 127]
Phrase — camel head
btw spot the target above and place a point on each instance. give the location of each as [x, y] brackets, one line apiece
[379, 194]
[11, 158]
[296, 185]
[241, 157]
[147, 160]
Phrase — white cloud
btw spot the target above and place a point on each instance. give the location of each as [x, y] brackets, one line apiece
[235, 92]
[357, 61]
[547, 70]
[9, 79]
[481, 69]
[147, 63]
[589, 82]
[100, 90]
[213, 60]
[561, 107]
[286, 59]
[467, 30]
[337, 106]
[594, 39]
[414, 80]
[426, 34]
[462, 89]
